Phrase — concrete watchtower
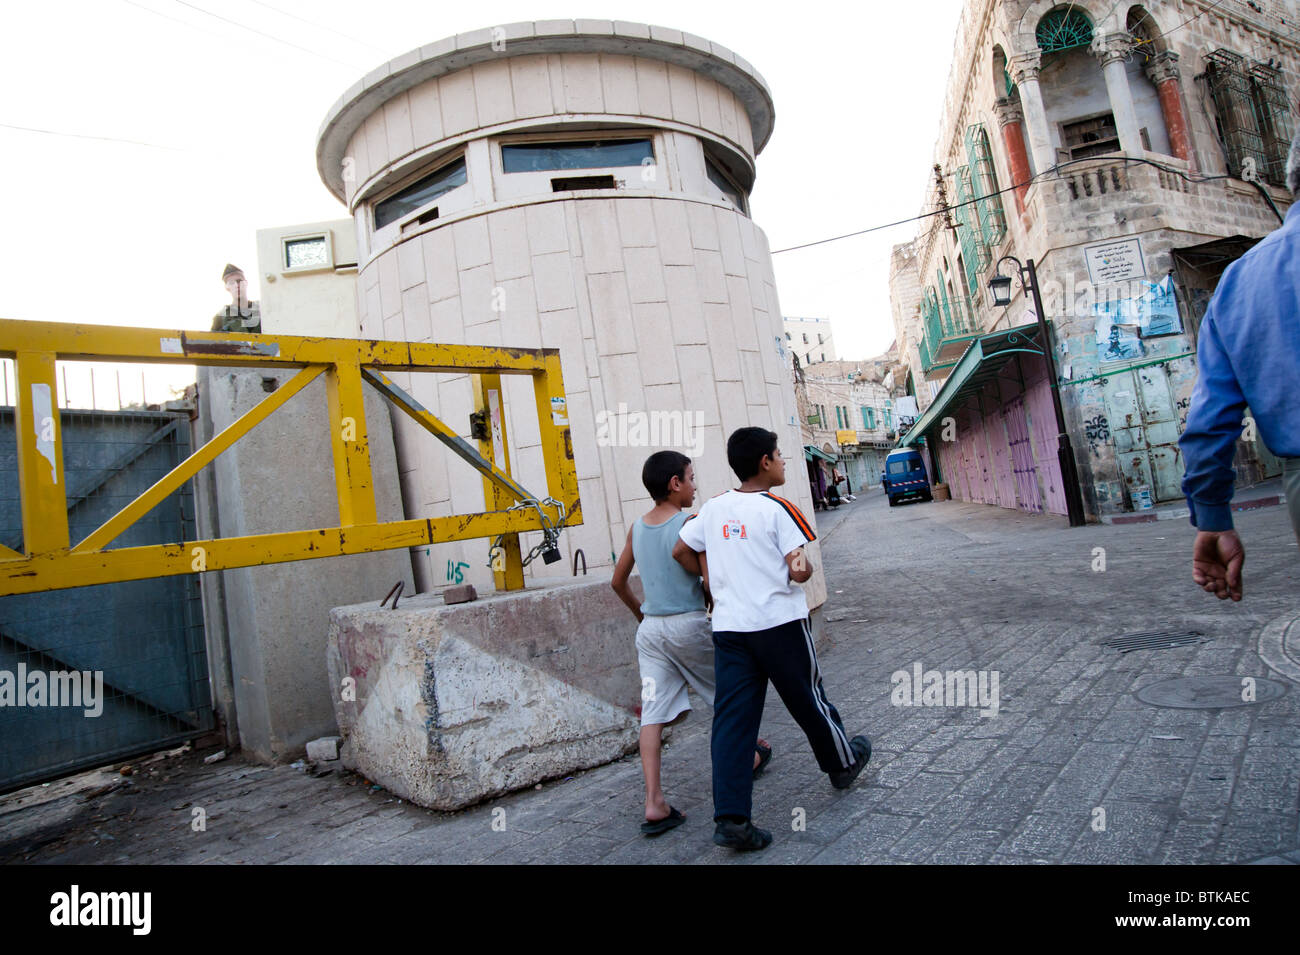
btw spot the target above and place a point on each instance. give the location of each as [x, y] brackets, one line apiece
[581, 185]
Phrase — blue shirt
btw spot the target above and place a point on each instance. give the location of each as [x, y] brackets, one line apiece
[1248, 354]
[669, 589]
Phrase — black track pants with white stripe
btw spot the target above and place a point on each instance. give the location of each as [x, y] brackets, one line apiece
[744, 663]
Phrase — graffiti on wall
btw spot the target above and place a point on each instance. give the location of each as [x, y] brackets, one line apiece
[1097, 430]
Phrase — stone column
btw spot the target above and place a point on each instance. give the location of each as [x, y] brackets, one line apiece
[1009, 115]
[1024, 71]
[1164, 73]
[1113, 49]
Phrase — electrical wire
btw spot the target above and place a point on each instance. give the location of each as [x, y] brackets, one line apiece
[105, 139]
[1196, 16]
[1054, 169]
[168, 16]
[1042, 175]
[269, 36]
[322, 26]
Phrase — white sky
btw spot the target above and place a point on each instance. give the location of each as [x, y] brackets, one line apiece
[113, 233]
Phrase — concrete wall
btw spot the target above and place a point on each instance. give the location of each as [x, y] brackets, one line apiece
[270, 622]
[447, 706]
[309, 301]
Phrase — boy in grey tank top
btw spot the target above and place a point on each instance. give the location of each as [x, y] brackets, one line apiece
[674, 640]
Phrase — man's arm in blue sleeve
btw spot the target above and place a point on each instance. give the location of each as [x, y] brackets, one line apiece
[1214, 422]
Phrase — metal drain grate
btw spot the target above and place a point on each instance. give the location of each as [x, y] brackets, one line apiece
[1155, 640]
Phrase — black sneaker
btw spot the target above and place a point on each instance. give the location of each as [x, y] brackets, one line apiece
[743, 837]
[843, 779]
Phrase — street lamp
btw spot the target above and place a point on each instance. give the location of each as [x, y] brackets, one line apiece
[1000, 288]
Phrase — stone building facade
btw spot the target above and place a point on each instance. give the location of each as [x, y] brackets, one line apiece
[811, 339]
[1132, 151]
[835, 397]
[578, 185]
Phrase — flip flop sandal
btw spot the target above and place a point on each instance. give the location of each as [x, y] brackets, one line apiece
[660, 826]
[764, 757]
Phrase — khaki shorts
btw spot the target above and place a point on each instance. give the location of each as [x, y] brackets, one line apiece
[674, 652]
[1291, 485]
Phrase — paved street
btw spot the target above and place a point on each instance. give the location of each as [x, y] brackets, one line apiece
[1072, 768]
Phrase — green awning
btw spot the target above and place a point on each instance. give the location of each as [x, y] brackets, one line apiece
[981, 363]
[810, 452]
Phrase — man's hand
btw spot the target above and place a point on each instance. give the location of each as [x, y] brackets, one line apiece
[1217, 559]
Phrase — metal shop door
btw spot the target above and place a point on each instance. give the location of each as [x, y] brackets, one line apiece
[1022, 455]
[1144, 423]
[95, 674]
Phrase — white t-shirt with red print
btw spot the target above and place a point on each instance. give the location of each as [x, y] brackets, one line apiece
[745, 537]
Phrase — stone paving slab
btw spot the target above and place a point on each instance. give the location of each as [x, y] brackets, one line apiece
[1072, 768]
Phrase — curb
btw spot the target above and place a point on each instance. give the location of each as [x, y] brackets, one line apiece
[1173, 513]
[1275, 640]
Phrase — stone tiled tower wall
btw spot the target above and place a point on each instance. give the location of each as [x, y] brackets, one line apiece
[659, 295]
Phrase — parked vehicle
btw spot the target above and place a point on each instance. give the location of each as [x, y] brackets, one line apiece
[904, 476]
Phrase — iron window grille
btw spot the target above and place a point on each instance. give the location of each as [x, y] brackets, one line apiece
[1274, 117]
[1063, 29]
[1238, 121]
[980, 220]
[975, 254]
[993, 220]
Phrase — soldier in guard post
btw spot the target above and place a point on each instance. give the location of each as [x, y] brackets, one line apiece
[240, 315]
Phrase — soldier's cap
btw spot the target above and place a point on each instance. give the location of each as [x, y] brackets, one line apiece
[231, 270]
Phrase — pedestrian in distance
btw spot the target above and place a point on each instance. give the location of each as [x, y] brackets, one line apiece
[751, 545]
[1248, 355]
[674, 642]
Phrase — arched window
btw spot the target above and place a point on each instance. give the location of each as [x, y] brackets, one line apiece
[1148, 41]
[1002, 81]
[1064, 28]
[1145, 33]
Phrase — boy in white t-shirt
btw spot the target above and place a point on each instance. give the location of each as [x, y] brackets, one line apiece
[673, 642]
[754, 544]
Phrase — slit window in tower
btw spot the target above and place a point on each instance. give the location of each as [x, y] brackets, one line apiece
[576, 154]
[734, 194]
[420, 193]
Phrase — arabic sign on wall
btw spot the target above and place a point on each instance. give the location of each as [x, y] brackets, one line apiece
[1116, 261]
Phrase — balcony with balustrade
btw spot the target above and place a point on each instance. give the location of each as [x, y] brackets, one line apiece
[948, 327]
